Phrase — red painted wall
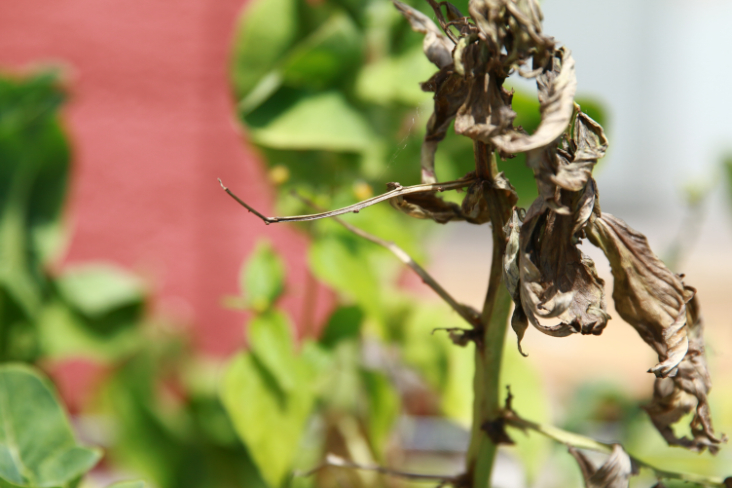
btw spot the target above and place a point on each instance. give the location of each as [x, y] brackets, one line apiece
[152, 125]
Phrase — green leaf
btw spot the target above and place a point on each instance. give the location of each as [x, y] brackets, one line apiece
[383, 409]
[396, 79]
[128, 484]
[37, 446]
[343, 325]
[341, 262]
[96, 289]
[270, 339]
[266, 30]
[262, 279]
[324, 57]
[64, 333]
[312, 121]
[269, 394]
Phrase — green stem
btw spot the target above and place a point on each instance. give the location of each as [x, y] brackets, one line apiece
[494, 319]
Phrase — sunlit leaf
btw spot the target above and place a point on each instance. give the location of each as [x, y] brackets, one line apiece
[268, 394]
[37, 446]
[96, 289]
[319, 121]
[334, 49]
[340, 263]
[266, 30]
[343, 324]
[262, 280]
[383, 408]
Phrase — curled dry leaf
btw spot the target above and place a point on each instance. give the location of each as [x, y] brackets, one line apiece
[615, 473]
[557, 87]
[515, 25]
[450, 90]
[556, 280]
[675, 397]
[569, 167]
[511, 276]
[487, 110]
[647, 294]
[426, 206]
[436, 45]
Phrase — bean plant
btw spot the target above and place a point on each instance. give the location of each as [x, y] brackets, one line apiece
[536, 263]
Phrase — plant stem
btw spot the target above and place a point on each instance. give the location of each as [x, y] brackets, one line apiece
[494, 319]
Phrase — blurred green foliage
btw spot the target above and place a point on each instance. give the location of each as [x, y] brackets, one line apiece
[329, 94]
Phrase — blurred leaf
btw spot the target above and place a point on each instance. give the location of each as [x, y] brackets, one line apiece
[396, 79]
[262, 280]
[37, 446]
[64, 333]
[268, 417]
[530, 399]
[270, 339]
[425, 351]
[344, 324]
[266, 30]
[96, 289]
[314, 121]
[33, 177]
[334, 49]
[128, 484]
[383, 409]
[341, 263]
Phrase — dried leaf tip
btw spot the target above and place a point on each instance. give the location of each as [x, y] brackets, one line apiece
[614, 473]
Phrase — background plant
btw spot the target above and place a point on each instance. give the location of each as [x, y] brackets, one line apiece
[168, 423]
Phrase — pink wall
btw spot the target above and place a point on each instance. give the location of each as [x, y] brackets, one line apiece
[152, 123]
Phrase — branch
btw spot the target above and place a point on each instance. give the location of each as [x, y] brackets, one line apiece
[471, 316]
[357, 207]
[333, 461]
[570, 439]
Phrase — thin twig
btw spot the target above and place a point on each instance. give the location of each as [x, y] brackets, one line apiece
[571, 439]
[332, 461]
[471, 316]
[357, 207]
[441, 19]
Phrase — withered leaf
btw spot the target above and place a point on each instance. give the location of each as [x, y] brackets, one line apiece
[556, 279]
[647, 294]
[426, 206]
[436, 45]
[486, 112]
[450, 91]
[513, 24]
[511, 276]
[557, 87]
[569, 168]
[675, 397]
[615, 473]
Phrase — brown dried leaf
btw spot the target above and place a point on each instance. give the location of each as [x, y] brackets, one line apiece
[647, 294]
[426, 206]
[436, 45]
[486, 112]
[557, 87]
[615, 473]
[515, 24]
[511, 276]
[675, 397]
[556, 279]
[569, 168]
[450, 91]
